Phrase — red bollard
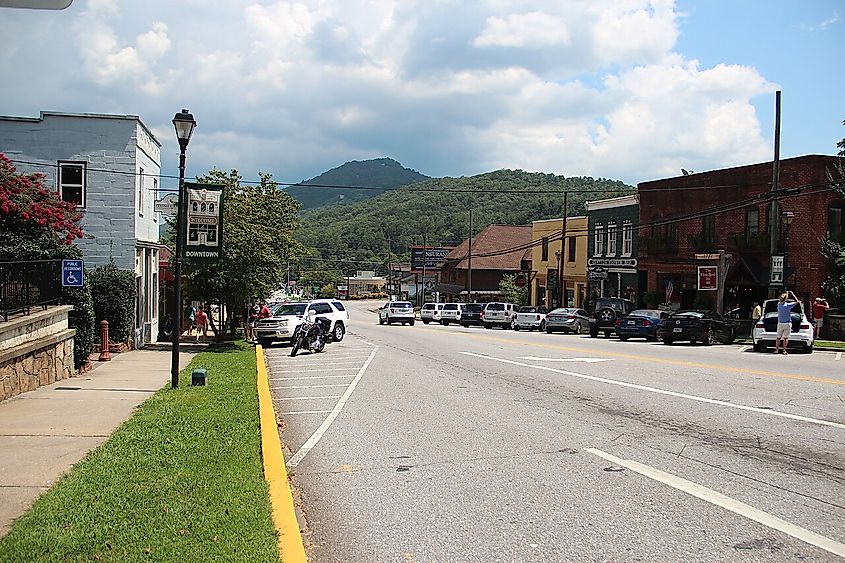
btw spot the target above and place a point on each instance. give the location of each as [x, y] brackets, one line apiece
[104, 341]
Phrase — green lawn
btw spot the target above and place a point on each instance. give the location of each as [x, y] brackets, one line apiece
[182, 480]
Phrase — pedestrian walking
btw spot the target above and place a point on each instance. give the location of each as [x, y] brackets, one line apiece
[189, 319]
[785, 306]
[201, 318]
[251, 318]
[820, 305]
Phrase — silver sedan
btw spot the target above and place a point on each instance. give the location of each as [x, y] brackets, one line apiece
[567, 320]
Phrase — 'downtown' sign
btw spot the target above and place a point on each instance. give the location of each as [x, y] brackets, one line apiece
[204, 222]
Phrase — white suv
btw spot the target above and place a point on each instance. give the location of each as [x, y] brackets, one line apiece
[451, 313]
[766, 327]
[288, 316]
[396, 312]
[498, 314]
[431, 312]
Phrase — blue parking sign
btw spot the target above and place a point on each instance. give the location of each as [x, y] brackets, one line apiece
[72, 273]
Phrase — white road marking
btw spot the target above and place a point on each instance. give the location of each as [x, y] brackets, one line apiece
[297, 458]
[742, 349]
[310, 386]
[310, 377]
[584, 360]
[838, 356]
[305, 412]
[664, 392]
[313, 370]
[305, 398]
[726, 502]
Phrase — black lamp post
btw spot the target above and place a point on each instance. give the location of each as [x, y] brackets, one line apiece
[184, 124]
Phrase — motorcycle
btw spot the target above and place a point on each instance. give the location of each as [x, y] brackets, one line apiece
[311, 334]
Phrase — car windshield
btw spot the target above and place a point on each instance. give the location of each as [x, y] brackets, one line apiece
[291, 309]
[401, 305]
[472, 307]
[646, 313]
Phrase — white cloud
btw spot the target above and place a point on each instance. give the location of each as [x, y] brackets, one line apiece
[534, 29]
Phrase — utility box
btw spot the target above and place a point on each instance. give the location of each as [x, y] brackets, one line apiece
[199, 376]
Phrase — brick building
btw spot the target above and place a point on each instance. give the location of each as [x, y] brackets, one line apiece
[613, 246]
[686, 220]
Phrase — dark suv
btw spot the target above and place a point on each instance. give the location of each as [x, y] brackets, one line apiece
[605, 313]
[471, 314]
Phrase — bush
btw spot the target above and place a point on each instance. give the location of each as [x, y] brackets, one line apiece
[328, 291]
[113, 291]
[82, 319]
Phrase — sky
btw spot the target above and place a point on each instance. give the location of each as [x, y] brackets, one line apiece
[632, 90]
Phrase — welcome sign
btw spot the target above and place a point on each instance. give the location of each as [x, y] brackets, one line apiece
[203, 222]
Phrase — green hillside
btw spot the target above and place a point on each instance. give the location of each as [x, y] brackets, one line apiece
[377, 173]
[440, 207]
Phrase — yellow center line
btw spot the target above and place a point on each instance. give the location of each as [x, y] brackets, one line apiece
[654, 359]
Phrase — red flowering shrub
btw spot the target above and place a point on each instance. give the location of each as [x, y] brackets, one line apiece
[27, 207]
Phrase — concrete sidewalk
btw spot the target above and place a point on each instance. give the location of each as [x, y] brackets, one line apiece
[43, 433]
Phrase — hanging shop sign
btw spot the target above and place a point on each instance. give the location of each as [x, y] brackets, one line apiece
[708, 278]
[204, 222]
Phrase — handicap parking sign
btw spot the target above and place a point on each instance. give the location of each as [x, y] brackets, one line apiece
[72, 273]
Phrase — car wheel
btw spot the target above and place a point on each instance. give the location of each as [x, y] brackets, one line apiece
[808, 348]
[338, 332]
[623, 338]
[606, 334]
[488, 325]
[652, 338]
[265, 342]
[411, 323]
[731, 337]
[425, 322]
[577, 329]
[607, 315]
[465, 325]
[542, 326]
[380, 320]
[549, 330]
[594, 332]
[444, 323]
[668, 341]
[758, 347]
[708, 337]
[516, 327]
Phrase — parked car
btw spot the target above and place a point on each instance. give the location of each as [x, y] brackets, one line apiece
[396, 312]
[500, 314]
[431, 312]
[605, 313]
[287, 316]
[451, 313]
[567, 319]
[471, 314]
[765, 329]
[530, 318]
[642, 323]
[697, 326]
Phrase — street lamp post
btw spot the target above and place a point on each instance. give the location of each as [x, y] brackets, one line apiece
[184, 124]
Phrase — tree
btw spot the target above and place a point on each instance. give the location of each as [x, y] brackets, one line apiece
[511, 293]
[834, 249]
[36, 225]
[258, 227]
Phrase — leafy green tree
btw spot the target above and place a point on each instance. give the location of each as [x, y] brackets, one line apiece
[834, 248]
[328, 291]
[511, 293]
[258, 241]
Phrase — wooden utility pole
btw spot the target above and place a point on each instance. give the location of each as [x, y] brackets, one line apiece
[774, 210]
[561, 285]
[469, 260]
[425, 259]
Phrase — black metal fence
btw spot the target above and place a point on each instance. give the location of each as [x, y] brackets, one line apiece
[28, 284]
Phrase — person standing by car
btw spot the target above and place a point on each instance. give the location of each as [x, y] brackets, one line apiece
[202, 323]
[756, 310]
[785, 306]
[819, 307]
[264, 312]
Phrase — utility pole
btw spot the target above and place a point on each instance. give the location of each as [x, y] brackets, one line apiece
[425, 259]
[774, 210]
[469, 260]
[389, 273]
[561, 285]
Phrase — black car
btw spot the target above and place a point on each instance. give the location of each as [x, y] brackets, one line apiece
[642, 323]
[697, 326]
[471, 314]
[605, 313]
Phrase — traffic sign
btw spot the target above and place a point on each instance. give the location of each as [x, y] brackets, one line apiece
[73, 273]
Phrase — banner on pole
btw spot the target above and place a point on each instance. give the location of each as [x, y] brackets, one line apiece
[203, 222]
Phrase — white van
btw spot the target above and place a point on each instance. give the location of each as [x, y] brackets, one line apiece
[500, 314]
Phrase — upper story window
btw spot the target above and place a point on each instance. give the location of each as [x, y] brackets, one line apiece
[155, 195]
[752, 223]
[708, 228]
[71, 182]
[598, 248]
[611, 239]
[141, 184]
[834, 221]
[545, 249]
[572, 244]
[627, 239]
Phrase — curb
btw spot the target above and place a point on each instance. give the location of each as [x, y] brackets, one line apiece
[291, 548]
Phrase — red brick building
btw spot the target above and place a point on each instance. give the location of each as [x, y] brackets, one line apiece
[687, 218]
[496, 251]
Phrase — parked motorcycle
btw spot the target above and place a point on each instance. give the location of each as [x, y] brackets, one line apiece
[311, 334]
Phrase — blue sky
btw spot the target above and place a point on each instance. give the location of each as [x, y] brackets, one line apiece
[624, 89]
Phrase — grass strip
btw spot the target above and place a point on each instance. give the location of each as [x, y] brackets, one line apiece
[182, 480]
[816, 343]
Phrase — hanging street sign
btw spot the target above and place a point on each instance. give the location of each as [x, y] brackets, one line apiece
[204, 222]
[708, 278]
[613, 262]
[167, 205]
[776, 268]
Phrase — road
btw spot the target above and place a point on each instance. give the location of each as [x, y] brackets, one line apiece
[431, 443]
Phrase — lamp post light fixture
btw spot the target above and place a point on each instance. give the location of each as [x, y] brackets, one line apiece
[184, 123]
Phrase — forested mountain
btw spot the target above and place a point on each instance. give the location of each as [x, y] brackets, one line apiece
[440, 209]
[377, 173]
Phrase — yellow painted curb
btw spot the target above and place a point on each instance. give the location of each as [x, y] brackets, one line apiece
[291, 548]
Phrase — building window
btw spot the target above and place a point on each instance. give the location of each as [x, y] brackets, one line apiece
[752, 223]
[141, 182]
[611, 239]
[545, 257]
[572, 243]
[627, 239]
[834, 221]
[71, 184]
[155, 196]
[708, 228]
[598, 248]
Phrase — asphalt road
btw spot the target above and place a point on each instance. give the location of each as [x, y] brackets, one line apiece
[431, 443]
